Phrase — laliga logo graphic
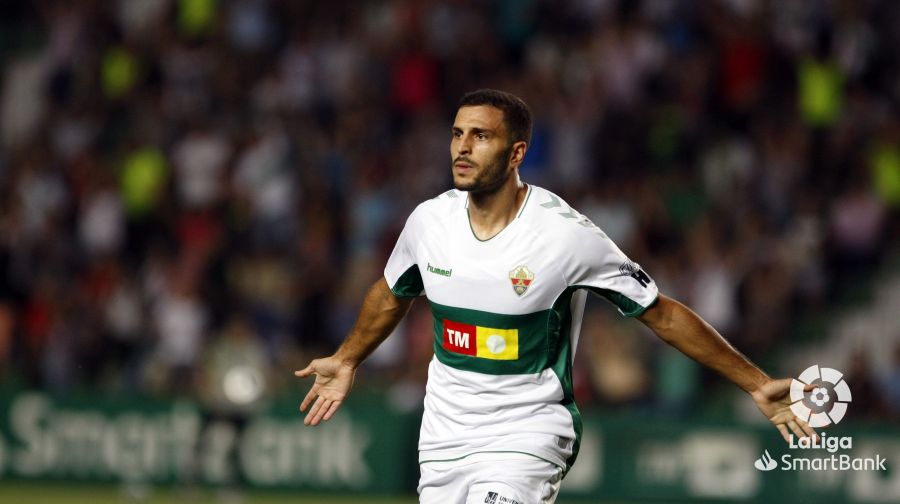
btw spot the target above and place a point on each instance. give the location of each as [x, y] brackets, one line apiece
[829, 388]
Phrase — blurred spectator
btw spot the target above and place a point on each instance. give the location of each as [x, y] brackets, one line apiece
[857, 228]
[866, 392]
[180, 321]
[199, 160]
[265, 190]
[892, 386]
[884, 163]
[102, 219]
[614, 359]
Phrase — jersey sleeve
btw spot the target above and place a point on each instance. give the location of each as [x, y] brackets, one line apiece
[402, 271]
[599, 266]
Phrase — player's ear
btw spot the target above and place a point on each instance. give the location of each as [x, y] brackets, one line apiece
[517, 153]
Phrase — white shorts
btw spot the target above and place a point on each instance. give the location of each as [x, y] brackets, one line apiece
[485, 478]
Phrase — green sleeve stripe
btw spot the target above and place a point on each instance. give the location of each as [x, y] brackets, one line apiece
[409, 284]
[628, 306]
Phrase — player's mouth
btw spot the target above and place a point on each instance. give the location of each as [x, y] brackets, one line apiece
[463, 167]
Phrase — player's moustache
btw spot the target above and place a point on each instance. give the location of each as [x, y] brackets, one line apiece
[465, 160]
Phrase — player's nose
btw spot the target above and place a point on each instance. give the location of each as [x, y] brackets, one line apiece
[464, 145]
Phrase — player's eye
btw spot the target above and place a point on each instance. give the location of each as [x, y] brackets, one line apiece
[481, 136]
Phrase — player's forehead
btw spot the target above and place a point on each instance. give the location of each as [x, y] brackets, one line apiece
[484, 117]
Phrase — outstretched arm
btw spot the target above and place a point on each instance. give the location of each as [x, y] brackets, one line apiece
[380, 313]
[680, 327]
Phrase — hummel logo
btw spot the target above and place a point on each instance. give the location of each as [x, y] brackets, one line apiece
[439, 271]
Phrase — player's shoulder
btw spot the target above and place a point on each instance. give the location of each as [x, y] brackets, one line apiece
[440, 206]
[449, 197]
[551, 212]
[562, 226]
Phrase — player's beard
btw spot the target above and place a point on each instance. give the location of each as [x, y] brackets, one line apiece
[491, 178]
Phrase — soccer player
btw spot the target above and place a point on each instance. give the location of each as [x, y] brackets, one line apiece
[506, 267]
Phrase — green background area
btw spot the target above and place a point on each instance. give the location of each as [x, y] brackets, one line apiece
[97, 450]
[36, 493]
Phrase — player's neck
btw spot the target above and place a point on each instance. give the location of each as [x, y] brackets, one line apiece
[491, 213]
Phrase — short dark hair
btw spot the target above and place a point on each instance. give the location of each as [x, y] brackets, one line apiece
[516, 114]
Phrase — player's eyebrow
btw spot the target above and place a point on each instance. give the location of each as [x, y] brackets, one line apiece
[476, 130]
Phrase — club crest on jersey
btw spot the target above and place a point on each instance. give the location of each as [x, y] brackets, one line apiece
[521, 278]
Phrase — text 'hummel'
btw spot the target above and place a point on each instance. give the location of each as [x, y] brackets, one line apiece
[439, 271]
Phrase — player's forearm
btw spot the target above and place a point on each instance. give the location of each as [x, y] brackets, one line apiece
[685, 330]
[380, 313]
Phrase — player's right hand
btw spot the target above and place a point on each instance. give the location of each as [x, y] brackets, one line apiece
[773, 399]
[334, 379]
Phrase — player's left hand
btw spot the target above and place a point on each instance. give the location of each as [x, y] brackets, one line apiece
[773, 399]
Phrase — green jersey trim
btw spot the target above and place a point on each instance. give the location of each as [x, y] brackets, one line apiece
[409, 284]
[561, 363]
[628, 306]
[489, 451]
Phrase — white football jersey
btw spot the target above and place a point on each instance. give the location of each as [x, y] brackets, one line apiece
[507, 313]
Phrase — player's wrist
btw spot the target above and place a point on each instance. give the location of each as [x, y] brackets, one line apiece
[757, 386]
[347, 360]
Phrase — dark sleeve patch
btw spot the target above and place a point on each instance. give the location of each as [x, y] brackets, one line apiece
[626, 305]
[409, 284]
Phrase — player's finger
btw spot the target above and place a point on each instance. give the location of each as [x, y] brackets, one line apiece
[326, 404]
[784, 432]
[782, 416]
[796, 429]
[312, 412]
[809, 431]
[331, 410]
[312, 394]
[809, 387]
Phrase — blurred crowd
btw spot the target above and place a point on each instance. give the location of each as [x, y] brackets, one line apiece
[188, 187]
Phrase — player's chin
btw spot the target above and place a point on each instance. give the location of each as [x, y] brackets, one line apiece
[464, 184]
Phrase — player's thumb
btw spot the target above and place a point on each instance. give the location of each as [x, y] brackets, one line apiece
[777, 388]
[303, 373]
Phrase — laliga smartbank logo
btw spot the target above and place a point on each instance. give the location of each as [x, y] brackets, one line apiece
[823, 405]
